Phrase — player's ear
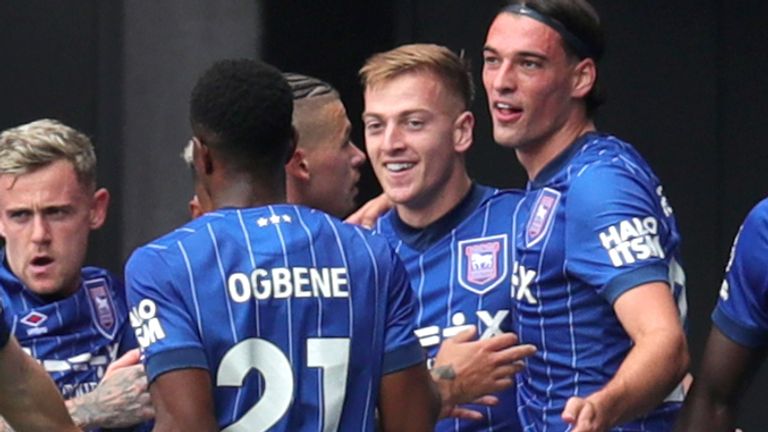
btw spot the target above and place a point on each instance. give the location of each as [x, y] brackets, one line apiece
[298, 165]
[99, 206]
[462, 131]
[201, 158]
[584, 77]
[195, 209]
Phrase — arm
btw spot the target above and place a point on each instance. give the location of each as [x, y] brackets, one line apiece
[183, 401]
[120, 400]
[656, 363]
[29, 401]
[408, 401]
[466, 369]
[726, 370]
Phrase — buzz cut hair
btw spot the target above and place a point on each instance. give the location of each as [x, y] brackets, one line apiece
[308, 87]
[35, 145]
[453, 69]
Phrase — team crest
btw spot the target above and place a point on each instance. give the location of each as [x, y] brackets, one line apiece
[482, 263]
[541, 217]
[102, 308]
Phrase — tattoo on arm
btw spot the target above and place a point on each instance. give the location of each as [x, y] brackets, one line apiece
[444, 373]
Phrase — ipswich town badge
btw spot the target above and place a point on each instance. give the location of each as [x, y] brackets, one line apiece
[102, 308]
[541, 217]
[482, 263]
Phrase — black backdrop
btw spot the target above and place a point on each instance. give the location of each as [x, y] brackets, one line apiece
[686, 83]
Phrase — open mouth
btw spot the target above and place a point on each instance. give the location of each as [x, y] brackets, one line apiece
[506, 109]
[41, 261]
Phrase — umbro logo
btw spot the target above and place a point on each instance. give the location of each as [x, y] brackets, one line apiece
[34, 319]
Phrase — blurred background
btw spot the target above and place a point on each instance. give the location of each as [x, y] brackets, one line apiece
[686, 83]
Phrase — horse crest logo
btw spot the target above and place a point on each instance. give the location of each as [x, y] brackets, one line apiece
[482, 263]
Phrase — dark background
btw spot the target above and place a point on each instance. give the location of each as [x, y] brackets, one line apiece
[686, 83]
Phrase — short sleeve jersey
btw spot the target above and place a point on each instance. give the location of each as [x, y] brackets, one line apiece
[592, 225]
[296, 315]
[742, 309]
[74, 338]
[460, 270]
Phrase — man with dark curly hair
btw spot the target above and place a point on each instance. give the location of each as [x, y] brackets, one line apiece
[259, 315]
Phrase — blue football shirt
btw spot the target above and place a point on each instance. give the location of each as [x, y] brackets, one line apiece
[74, 338]
[742, 309]
[460, 269]
[296, 315]
[592, 225]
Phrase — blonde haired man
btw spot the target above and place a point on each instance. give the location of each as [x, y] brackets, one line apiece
[72, 319]
[418, 128]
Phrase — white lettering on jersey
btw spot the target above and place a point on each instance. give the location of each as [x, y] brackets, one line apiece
[433, 335]
[632, 240]
[145, 323]
[283, 282]
[521, 284]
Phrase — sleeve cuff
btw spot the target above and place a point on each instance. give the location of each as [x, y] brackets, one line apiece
[656, 272]
[185, 358]
[737, 332]
[402, 357]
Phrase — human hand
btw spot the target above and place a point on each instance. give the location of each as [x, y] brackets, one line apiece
[369, 213]
[463, 412]
[121, 399]
[583, 415]
[466, 369]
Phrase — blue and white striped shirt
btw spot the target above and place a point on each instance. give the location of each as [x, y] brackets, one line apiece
[320, 308]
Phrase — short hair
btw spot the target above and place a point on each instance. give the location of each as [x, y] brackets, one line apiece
[581, 33]
[454, 70]
[34, 145]
[308, 87]
[247, 105]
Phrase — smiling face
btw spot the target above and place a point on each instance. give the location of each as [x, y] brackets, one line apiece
[535, 90]
[45, 218]
[416, 133]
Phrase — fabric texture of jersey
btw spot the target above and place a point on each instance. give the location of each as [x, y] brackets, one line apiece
[460, 268]
[74, 338]
[742, 310]
[321, 309]
[592, 225]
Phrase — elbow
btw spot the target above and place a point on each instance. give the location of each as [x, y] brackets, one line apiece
[676, 362]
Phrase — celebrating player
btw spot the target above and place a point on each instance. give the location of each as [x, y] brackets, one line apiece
[596, 249]
[260, 315]
[325, 167]
[452, 234]
[72, 319]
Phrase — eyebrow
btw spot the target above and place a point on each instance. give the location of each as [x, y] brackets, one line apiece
[534, 54]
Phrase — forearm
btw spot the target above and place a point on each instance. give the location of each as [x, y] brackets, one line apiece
[704, 410]
[28, 399]
[84, 411]
[651, 370]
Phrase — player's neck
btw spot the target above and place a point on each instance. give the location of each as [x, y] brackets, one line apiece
[535, 157]
[245, 192]
[437, 204]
